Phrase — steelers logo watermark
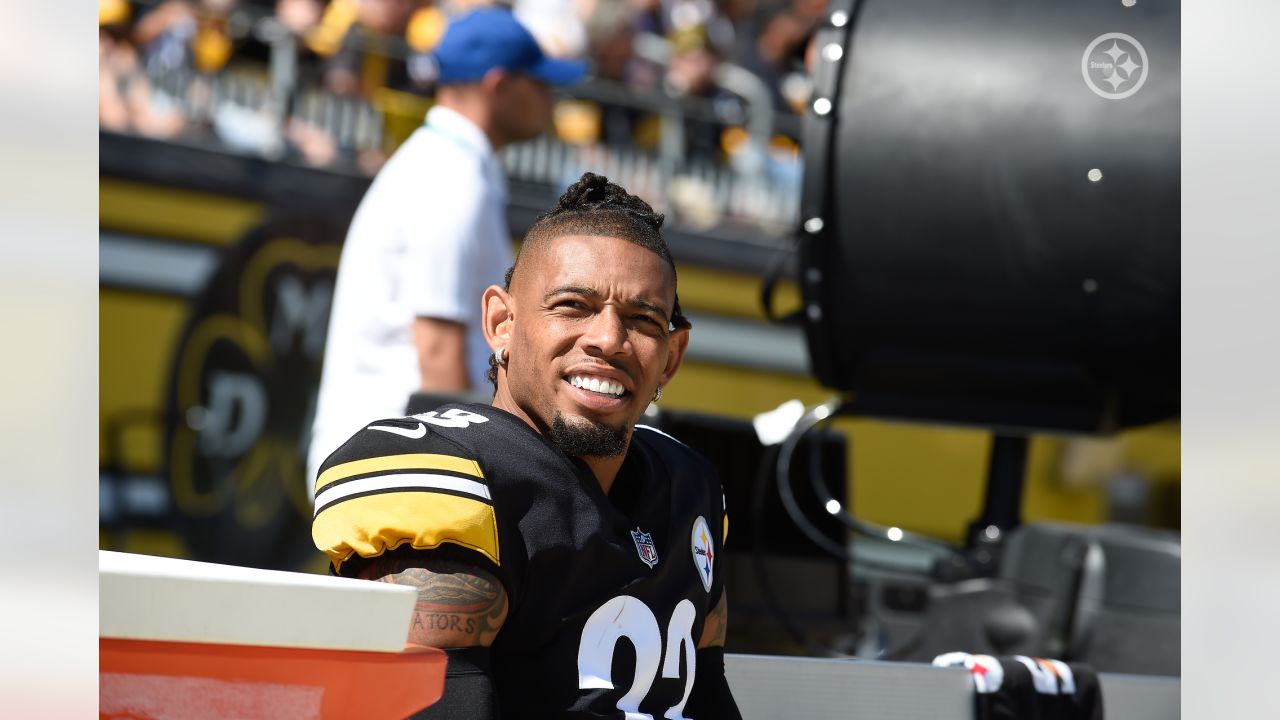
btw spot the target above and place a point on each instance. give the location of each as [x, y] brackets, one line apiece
[1114, 66]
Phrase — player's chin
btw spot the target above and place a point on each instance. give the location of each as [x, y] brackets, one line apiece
[588, 435]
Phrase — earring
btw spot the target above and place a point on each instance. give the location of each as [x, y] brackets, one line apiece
[500, 355]
[657, 395]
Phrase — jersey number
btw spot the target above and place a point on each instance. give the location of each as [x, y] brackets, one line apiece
[626, 616]
[452, 418]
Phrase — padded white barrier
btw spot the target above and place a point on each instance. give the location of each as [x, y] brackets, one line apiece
[1141, 697]
[141, 597]
[768, 688]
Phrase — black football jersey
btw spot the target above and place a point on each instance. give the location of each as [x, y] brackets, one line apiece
[608, 594]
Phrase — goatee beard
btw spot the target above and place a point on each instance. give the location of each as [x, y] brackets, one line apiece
[587, 438]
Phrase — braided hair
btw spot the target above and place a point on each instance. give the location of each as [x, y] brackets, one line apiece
[596, 207]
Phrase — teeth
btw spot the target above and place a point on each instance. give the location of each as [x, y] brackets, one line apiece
[604, 387]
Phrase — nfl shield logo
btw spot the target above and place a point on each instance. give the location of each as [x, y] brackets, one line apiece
[645, 547]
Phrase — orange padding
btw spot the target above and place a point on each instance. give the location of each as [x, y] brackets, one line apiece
[143, 679]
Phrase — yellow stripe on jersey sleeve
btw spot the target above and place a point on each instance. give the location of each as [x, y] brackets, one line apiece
[416, 461]
[724, 538]
[370, 525]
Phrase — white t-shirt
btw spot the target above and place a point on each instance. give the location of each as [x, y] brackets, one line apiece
[429, 236]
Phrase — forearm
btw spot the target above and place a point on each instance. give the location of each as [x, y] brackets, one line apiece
[715, 627]
[711, 697]
[459, 605]
[469, 692]
[460, 609]
[441, 347]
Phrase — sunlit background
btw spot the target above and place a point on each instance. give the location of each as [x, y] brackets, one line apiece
[213, 120]
[236, 139]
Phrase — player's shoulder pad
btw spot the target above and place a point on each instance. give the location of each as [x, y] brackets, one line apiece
[390, 436]
[673, 448]
[669, 446]
[399, 481]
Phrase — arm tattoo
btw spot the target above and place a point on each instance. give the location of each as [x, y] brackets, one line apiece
[716, 625]
[459, 605]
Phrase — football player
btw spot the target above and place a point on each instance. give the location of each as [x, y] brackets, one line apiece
[565, 557]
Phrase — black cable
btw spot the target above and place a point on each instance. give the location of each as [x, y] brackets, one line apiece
[772, 276]
[819, 416]
[781, 614]
[783, 469]
[783, 475]
[806, 526]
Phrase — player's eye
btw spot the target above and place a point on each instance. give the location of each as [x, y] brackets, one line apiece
[573, 306]
[649, 324]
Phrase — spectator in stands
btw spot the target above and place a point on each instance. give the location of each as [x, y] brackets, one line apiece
[694, 31]
[270, 23]
[126, 100]
[665, 18]
[610, 35]
[431, 233]
[556, 24]
[297, 26]
[609, 40]
[382, 43]
[303, 20]
[113, 27]
[299, 17]
[373, 51]
[744, 17]
[181, 35]
[691, 74]
[781, 50]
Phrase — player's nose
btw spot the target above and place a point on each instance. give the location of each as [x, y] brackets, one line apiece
[606, 334]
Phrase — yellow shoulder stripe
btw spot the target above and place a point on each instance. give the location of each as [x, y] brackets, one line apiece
[417, 461]
[369, 526]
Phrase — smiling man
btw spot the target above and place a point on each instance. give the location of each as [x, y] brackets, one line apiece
[566, 557]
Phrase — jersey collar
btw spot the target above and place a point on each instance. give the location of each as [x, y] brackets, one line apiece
[458, 128]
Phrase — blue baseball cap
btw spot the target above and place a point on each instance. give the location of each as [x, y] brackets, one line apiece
[491, 37]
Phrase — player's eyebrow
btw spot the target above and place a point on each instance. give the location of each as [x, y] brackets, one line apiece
[573, 290]
[594, 294]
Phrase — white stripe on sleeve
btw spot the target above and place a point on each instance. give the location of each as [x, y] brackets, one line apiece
[400, 481]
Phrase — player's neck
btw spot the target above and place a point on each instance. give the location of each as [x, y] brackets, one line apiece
[605, 469]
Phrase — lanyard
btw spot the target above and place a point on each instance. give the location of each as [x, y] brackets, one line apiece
[454, 138]
[493, 167]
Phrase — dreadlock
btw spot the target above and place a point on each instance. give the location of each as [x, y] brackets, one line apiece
[595, 206]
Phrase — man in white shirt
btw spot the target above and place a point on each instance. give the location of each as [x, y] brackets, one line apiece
[431, 234]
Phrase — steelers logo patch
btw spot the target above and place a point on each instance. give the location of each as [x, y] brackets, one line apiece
[704, 554]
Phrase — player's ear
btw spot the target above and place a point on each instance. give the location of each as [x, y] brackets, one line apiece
[496, 317]
[678, 342]
[493, 80]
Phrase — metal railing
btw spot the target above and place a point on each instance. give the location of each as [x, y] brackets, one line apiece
[700, 194]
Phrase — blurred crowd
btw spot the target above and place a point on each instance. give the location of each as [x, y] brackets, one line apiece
[299, 76]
